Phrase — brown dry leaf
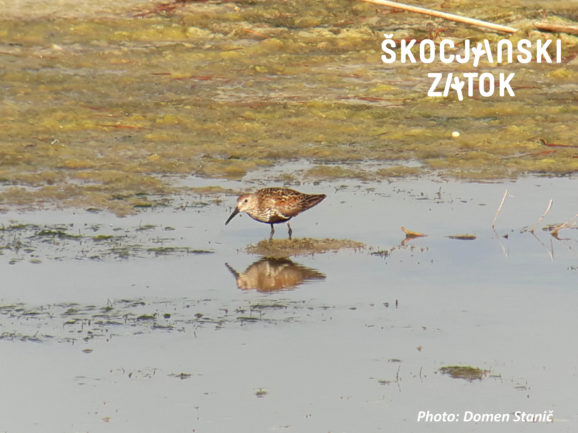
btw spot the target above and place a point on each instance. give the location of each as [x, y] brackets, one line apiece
[412, 234]
[556, 233]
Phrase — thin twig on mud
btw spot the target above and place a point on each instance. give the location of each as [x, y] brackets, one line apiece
[164, 8]
[557, 28]
[546, 143]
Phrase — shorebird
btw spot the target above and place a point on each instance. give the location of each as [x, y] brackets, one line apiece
[275, 205]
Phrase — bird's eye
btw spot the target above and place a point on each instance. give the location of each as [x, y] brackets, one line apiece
[245, 201]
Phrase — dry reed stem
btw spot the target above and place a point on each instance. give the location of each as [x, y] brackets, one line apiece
[444, 15]
[549, 251]
[543, 215]
[499, 209]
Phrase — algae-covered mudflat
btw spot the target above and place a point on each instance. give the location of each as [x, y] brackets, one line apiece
[100, 100]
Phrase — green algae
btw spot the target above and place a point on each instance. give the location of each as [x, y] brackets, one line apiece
[38, 243]
[60, 234]
[164, 251]
[280, 248]
[97, 109]
[465, 372]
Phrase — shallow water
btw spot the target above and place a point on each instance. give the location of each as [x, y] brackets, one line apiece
[141, 341]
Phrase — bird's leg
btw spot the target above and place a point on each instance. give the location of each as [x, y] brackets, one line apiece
[290, 230]
[272, 233]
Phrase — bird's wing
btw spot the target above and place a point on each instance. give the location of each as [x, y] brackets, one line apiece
[293, 203]
[285, 205]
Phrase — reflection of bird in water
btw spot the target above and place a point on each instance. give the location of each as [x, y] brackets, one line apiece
[268, 275]
[275, 205]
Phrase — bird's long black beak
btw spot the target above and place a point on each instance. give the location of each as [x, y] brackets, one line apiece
[235, 212]
[233, 271]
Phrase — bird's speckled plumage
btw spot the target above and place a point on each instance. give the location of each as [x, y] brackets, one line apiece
[275, 205]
